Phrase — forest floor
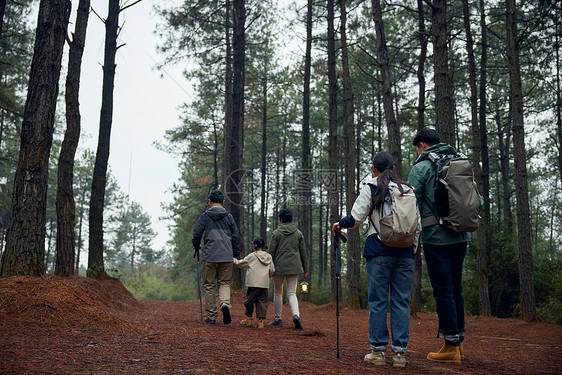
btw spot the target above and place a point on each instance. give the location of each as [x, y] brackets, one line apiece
[76, 325]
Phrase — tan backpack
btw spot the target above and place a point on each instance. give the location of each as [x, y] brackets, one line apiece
[398, 228]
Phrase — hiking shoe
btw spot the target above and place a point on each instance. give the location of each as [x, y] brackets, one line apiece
[277, 323]
[297, 322]
[226, 318]
[209, 321]
[447, 353]
[260, 323]
[247, 321]
[398, 360]
[376, 358]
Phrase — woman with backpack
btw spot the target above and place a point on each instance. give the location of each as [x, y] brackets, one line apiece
[390, 268]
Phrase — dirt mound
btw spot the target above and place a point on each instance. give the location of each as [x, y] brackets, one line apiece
[65, 302]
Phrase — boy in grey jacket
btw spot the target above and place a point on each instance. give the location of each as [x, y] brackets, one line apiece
[221, 243]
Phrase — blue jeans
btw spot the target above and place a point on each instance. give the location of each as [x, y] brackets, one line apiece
[444, 266]
[394, 275]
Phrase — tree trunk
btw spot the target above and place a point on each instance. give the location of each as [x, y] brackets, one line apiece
[332, 184]
[481, 255]
[25, 239]
[353, 250]
[504, 147]
[422, 37]
[528, 308]
[235, 142]
[416, 295]
[394, 142]
[227, 101]
[558, 93]
[263, 170]
[444, 119]
[66, 207]
[95, 251]
[2, 12]
[80, 241]
[305, 220]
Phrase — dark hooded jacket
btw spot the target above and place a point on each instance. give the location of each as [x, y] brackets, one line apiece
[287, 250]
[219, 233]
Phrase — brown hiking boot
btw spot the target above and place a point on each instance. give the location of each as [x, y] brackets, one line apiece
[260, 323]
[447, 353]
[247, 321]
[461, 350]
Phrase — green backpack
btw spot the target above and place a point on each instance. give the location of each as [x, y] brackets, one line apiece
[457, 200]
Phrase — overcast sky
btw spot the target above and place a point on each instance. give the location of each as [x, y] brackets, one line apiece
[145, 106]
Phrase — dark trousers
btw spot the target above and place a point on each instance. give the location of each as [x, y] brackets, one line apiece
[257, 297]
[444, 266]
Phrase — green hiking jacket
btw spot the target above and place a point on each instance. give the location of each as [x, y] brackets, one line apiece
[287, 250]
[422, 178]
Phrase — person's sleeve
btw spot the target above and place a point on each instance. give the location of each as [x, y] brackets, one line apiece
[302, 250]
[198, 231]
[273, 245]
[235, 238]
[360, 210]
[271, 269]
[241, 263]
[418, 182]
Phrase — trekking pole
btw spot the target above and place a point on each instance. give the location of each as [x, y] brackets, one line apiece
[199, 281]
[337, 237]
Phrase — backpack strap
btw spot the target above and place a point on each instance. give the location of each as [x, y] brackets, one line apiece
[373, 192]
[434, 219]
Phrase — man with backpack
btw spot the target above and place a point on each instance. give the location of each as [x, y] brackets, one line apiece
[388, 204]
[448, 206]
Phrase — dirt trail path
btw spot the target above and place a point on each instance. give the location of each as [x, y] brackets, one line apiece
[80, 326]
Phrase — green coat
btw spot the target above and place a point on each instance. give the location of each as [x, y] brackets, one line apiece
[287, 250]
[422, 178]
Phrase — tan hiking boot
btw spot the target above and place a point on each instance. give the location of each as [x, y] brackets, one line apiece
[376, 358]
[447, 353]
[260, 323]
[461, 350]
[247, 321]
[398, 360]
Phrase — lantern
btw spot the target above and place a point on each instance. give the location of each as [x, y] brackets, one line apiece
[304, 287]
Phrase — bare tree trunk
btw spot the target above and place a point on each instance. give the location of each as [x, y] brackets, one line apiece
[80, 241]
[227, 100]
[527, 291]
[66, 207]
[558, 93]
[234, 146]
[353, 245]
[263, 170]
[95, 252]
[2, 12]
[332, 185]
[444, 119]
[481, 255]
[215, 157]
[416, 295]
[394, 144]
[422, 37]
[25, 239]
[305, 220]
[504, 149]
